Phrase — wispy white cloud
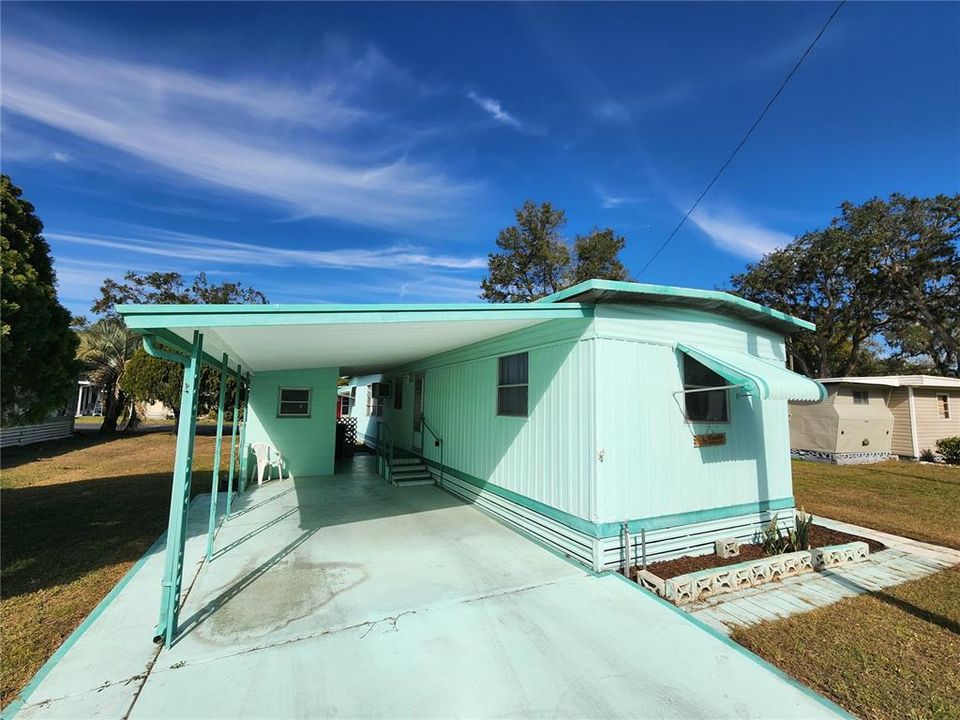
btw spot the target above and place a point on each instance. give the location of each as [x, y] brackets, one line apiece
[442, 287]
[494, 108]
[729, 230]
[295, 146]
[609, 200]
[167, 244]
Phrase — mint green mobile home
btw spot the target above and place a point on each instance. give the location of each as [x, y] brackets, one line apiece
[606, 420]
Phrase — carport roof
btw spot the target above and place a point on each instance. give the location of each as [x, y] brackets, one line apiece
[361, 339]
[358, 339]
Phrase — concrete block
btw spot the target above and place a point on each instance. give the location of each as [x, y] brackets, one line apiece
[727, 547]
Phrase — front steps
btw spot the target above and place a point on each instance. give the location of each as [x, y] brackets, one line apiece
[409, 471]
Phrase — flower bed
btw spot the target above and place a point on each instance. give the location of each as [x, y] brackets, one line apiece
[724, 576]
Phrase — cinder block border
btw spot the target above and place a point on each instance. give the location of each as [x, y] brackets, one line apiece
[695, 586]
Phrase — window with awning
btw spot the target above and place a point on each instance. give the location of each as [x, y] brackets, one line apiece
[760, 378]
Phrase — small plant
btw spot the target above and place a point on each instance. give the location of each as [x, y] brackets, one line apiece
[927, 456]
[777, 541]
[949, 449]
[804, 522]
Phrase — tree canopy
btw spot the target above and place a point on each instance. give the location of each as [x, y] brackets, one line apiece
[883, 273]
[149, 379]
[535, 261]
[166, 288]
[37, 346]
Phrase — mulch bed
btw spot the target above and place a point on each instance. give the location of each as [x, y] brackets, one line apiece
[819, 537]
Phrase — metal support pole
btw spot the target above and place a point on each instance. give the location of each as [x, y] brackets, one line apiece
[237, 388]
[180, 496]
[218, 448]
[242, 485]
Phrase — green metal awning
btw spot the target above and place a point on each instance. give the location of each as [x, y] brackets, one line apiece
[759, 378]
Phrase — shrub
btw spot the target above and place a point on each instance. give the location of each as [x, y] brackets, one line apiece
[949, 449]
[776, 541]
[927, 456]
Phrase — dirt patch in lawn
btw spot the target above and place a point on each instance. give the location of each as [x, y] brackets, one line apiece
[819, 537]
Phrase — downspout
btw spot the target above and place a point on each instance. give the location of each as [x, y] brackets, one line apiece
[914, 442]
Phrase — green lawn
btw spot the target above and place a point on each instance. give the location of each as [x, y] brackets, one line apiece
[891, 654]
[76, 514]
[917, 501]
[884, 656]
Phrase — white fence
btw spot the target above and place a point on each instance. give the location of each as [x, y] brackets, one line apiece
[27, 434]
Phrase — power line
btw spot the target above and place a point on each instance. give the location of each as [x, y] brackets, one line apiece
[745, 137]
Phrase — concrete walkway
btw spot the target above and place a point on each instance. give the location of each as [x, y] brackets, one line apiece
[902, 560]
[347, 597]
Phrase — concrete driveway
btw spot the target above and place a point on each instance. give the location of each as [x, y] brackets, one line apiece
[346, 597]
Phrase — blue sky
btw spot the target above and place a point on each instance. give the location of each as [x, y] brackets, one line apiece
[370, 153]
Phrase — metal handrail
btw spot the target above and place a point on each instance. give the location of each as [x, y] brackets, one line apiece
[385, 446]
[439, 442]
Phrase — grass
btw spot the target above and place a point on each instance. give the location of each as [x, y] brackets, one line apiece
[76, 514]
[883, 656]
[904, 498]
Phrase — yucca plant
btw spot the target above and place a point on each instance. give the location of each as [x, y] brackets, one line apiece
[802, 534]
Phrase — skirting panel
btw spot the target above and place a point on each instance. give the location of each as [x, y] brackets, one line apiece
[844, 458]
[694, 539]
[608, 553]
[567, 541]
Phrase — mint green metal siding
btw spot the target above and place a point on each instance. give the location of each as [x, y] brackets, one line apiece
[651, 467]
[547, 456]
[307, 444]
[702, 329]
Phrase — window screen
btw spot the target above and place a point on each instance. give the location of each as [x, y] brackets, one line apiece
[861, 397]
[512, 385]
[703, 404]
[294, 402]
[943, 406]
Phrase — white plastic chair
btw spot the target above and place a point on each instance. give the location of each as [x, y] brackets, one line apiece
[267, 457]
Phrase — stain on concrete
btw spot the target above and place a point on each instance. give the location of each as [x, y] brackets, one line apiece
[291, 590]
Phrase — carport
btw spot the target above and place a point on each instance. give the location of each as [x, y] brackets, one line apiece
[282, 344]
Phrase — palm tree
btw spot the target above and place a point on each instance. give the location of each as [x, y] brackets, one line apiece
[105, 347]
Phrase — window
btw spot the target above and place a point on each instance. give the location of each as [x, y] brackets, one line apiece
[294, 402]
[345, 402]
[943, 405]
[512, 385]
[703, 405]
[398, 394]
[374, 404]
[861, 397]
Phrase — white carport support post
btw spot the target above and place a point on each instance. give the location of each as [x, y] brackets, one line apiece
[180, 495]
[218, 447]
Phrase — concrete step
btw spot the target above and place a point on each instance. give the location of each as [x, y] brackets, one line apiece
[406, 461]
[412, 472]
[399, 482]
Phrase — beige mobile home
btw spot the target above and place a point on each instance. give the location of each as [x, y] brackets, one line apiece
[868, 419]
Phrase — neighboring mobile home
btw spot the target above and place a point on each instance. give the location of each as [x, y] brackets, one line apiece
[606, 419]
[868, 419]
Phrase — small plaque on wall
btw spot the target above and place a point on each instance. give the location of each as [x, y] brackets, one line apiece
[709, 440]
